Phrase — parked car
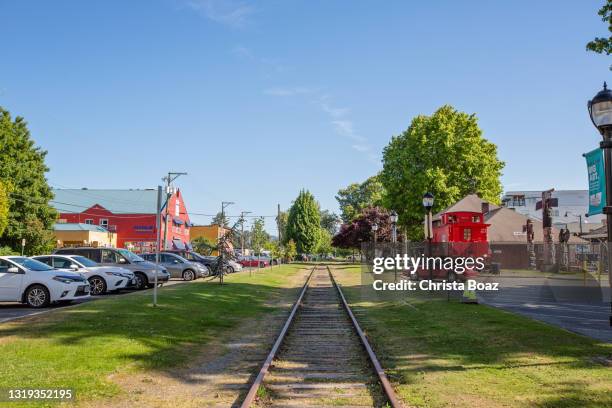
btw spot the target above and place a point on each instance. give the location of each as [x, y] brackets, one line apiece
[28, 281]
[144, 271]
[102, 279]
[208, 261]
[178, 266]
[253, 261]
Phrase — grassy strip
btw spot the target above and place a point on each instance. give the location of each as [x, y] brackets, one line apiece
[80, 347]
[443, 354]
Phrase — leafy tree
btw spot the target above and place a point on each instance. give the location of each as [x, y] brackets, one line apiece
[259, 236]
[221, 220]
[602, 45]
[324, 245]
[203, 245]
[444, 154]
[290, 251]
[353, 234]
[330, 222]
[22, 168]
[304, 223]
[282, 226]
[357, 196]
[4, 208]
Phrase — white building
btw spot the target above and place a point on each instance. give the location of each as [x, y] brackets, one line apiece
[572, 205]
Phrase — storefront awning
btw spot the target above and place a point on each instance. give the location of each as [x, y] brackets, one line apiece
[178, 221]
[178, 244]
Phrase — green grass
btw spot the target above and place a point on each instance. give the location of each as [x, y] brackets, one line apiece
[448, 354]
[80, 347]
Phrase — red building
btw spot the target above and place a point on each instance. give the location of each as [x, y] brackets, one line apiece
[130, 214]
[463, 227]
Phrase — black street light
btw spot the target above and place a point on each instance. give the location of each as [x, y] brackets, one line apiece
[600, 111]
[374, 229]
[428, 202]
[394, 217]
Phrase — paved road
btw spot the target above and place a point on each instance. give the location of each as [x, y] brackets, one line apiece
[571, 302]
[12, 311]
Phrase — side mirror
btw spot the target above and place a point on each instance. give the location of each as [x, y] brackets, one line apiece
[74, 267]
[13, 269]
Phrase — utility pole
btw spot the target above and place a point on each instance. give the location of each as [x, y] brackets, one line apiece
[242, 214]
[169, 191]
[221, 263]
[158, 236]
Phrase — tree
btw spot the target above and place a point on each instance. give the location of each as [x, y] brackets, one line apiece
[330, 222]
[221, 220]
[324, 246]
[444, 154]
[203, 245]
[603, 45]
[22, 169]
[4, 208]
[353, 234]
[304, 223]
[290, 251]
[357, 196]
[259, 236]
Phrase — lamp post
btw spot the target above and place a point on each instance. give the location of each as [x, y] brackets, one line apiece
[575, 215]
[428, 202]
[394, 217]
[600, 111]
[374, 229]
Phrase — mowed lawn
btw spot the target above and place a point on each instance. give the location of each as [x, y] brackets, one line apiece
[80, 347]
[441, 354]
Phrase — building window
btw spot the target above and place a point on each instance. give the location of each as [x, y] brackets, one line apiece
[475, 218]
[518, 201]
[104, 222]
[467, 234]
[89, 221]
[177, 207]
[452, 219]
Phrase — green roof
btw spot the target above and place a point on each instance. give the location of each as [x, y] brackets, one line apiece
[115, 201]
[76, 226]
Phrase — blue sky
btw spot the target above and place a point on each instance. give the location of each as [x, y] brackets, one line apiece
[257, 100]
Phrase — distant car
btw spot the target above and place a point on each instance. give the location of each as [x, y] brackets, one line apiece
[178, 266]
[253, 261]
[36, 284]
[209, 261]
[102, 279]
[144, 271]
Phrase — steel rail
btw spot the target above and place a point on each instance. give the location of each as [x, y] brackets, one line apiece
[252, 394]
[382, 377]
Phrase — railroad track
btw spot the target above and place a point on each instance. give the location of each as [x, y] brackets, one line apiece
[321, 356]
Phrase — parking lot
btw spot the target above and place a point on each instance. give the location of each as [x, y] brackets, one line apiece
[577, 302]
[12, 311]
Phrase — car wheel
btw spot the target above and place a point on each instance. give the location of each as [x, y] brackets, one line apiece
[141, 281]
[37, 296]
[230, 269]
[208, 270]
[452, 276]
[97, 286]
[188, 275]
[262, 264]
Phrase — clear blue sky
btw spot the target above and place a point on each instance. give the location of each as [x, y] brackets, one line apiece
[257, 100]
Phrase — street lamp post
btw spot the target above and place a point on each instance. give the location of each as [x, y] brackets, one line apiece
[600, 111]
[428, 202]
[374, 230]
[575, 215]
[394, 217]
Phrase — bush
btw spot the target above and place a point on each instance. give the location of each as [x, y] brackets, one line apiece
[7, 251]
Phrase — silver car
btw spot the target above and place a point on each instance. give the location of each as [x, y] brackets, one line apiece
[177, 266]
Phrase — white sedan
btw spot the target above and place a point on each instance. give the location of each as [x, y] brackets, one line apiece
[102, 279]
[28, 281]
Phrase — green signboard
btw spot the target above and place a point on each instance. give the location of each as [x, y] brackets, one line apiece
[597, 185]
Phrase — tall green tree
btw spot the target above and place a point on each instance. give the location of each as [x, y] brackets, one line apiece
[304, 223]
[445, 154]
[4, 208]
[23, 168]
[259, 236]
[603, 45]
[330, 222]
[358, 196]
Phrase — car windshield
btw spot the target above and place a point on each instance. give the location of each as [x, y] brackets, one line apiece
[197, 256]
[85, 261]
[130, 256]
[31, 264]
